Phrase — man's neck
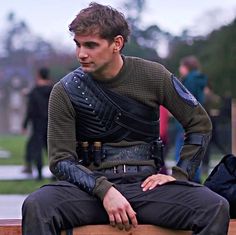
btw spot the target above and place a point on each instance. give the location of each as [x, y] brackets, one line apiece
[42, 82]
[113, 70]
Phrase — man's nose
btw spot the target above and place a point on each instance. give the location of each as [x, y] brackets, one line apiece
[81, 52]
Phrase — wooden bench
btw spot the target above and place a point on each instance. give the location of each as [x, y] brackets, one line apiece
[13, 227]
[140, 230]
[10, 226]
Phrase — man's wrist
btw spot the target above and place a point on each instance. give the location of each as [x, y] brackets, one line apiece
[101, 188]
[179, 174]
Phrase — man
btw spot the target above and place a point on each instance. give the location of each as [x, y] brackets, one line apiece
[104, 147]
[193, 79]
[37, 114]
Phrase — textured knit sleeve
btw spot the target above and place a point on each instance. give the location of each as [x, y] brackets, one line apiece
[193, 118]
[61, 127]
[62, 139]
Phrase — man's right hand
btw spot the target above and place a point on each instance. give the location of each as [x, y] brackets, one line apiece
[119, 210]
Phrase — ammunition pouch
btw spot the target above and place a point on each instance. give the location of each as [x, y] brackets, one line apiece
[147, 154]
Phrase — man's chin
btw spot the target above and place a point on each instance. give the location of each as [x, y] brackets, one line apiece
[87, 69]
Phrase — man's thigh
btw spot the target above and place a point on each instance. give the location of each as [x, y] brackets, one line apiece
[176, 205]
[68, 204]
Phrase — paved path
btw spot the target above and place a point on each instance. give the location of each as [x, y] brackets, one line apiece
[10, 206]
[13, 172]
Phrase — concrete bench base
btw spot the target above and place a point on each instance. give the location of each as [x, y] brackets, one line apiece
[13, 227]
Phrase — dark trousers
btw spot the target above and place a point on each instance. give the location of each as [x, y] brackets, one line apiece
[35, 146]
[176, 205]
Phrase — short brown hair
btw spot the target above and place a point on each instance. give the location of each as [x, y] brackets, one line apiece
[191, 62]
[99, 19]
[44, 73]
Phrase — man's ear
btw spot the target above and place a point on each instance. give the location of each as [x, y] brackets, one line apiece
[118, 43]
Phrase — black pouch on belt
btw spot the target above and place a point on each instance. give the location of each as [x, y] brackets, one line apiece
[85, 153]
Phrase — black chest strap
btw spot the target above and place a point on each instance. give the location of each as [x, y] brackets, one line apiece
[107, 116]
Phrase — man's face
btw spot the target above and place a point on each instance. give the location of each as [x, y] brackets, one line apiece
[183, 70]
[96, 55]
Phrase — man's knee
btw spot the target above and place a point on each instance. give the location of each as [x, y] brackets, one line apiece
[32, 205]
[223, 207]
[217, 211]
[36, 216]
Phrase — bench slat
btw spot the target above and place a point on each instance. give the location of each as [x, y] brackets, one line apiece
[10, 226]
[13, 227]
[232, 227]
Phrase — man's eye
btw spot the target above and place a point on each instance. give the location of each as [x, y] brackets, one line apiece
[91, 45]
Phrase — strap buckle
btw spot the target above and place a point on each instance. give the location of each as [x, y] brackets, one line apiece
[115, 169]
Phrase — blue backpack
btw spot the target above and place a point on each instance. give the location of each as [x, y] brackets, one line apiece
[222, 180]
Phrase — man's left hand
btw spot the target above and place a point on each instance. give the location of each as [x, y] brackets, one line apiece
[154, 180]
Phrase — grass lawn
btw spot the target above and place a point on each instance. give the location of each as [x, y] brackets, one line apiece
[21, 186]
[15, 144]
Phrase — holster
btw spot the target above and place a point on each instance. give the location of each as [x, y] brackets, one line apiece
[158, 152]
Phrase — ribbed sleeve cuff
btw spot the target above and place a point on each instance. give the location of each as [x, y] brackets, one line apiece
[179, 173]
[102, 186]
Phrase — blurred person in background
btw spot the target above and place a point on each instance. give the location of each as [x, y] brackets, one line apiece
[212, 105]
[195, 81]
[37, 116]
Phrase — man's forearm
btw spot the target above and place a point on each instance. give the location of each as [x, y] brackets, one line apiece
[75, 174]
[192, 153]
[82, 177]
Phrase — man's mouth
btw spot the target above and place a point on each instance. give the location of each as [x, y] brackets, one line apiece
[85, 64]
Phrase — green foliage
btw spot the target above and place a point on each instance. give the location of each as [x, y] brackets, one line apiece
[143, 42]
[217, 54]
[134, 49]
[15, 144]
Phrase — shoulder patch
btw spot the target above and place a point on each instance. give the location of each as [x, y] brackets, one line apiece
[183, 92]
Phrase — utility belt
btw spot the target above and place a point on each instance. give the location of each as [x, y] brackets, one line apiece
[122, 159]
[129, 169]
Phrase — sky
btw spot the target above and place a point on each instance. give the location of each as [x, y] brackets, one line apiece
[50, 18]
